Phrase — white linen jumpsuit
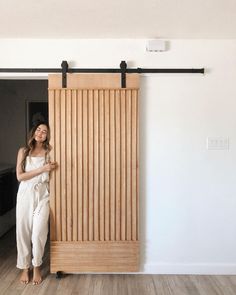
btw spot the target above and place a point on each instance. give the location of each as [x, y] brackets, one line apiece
[32, 214]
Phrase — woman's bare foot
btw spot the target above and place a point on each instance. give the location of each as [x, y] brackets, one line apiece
[24, 279]
[37, 278]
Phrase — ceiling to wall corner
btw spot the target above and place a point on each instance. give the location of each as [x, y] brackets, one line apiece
[177, 19]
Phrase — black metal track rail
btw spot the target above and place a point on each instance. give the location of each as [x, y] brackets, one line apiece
[128, 71]
[123, 70]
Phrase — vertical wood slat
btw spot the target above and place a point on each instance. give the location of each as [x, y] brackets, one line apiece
[57, 149]
[134, 162]
[63, 169]
[95, 142]
[80, 149]
[74, 142]
[107, 167]
[90, 165]
[128, 165]
[96, 165]
[68, 164]
[101, 165]
[137, 165]
[112, 165]
[51, 110]
[85, 165]
[123, 165]
[118, 164]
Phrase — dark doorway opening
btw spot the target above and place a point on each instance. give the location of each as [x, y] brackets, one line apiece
[15, 96]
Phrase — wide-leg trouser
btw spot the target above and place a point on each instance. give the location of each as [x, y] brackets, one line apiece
[32, 214]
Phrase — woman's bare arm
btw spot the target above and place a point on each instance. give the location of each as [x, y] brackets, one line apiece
[21, 175]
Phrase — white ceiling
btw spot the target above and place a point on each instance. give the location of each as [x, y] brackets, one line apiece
[118, 19]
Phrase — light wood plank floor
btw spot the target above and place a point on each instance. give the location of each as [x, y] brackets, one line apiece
[98, 284]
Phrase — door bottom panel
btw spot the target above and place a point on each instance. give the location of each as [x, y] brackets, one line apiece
[94, 256]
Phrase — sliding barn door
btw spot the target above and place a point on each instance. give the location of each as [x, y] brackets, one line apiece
[94, 192]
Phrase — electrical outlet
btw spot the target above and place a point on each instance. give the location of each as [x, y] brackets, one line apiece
[218, 143]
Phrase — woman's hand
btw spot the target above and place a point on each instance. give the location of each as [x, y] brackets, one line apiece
[49, 166]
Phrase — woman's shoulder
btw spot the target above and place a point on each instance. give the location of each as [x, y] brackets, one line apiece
[21, 150]
[20, 155]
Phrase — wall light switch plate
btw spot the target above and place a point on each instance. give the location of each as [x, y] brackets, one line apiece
[218, 143]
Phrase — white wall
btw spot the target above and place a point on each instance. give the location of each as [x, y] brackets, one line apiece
[188, 193]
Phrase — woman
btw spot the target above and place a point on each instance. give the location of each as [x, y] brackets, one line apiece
[32, 210]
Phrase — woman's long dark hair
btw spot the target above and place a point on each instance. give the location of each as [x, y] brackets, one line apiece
[32, 143]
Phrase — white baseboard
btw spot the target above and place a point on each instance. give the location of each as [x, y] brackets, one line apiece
[181, 269]
[197, 268]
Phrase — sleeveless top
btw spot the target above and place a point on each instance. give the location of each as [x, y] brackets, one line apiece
[35, 189]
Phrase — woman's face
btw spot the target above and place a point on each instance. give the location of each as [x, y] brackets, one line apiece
[40, 134]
